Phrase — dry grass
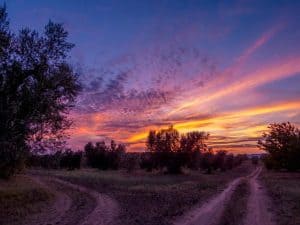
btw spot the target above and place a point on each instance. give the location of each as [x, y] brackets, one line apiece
[19, 197]
[153, 199]
[284, 189]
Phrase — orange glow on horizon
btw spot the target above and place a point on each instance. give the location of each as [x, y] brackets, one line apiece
[218, 124]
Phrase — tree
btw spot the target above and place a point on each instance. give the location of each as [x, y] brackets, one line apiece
[282, 142]
[37, 89]
[164, 146]
[192, 144]
[172, 151]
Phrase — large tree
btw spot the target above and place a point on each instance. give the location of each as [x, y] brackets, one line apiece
[37, 89]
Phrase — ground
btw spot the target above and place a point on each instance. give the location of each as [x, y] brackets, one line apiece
[147, 198]
[241, 196]
[284, 189]
[21, 196]
[152, 199]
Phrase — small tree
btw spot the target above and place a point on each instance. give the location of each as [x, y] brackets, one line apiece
[282, 142]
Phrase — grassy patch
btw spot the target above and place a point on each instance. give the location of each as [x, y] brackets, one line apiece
[20, 197]
[153, 198]
[236, 209]
[284, 189]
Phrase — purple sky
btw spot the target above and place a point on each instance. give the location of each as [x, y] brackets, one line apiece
[226, 67]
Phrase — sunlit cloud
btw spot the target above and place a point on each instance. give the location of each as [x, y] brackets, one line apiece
[234, 124]
[260, 77]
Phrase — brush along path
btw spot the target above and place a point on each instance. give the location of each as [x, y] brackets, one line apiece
[258, 203]
[74, 205]
[211, 211]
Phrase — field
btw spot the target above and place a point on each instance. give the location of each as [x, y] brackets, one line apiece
[284, 189]
[246, 195]
[143, 198]
[20, 197]
[153, 199]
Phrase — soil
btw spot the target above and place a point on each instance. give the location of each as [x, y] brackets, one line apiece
[73, 205]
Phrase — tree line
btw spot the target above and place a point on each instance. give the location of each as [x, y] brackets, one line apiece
[167, 151]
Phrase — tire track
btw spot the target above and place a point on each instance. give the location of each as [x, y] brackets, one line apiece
[258, 203]
[73, 205]
[211, 211]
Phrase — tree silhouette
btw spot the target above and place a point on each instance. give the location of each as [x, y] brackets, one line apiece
[37, 88]
[171, 150]
[282, 142]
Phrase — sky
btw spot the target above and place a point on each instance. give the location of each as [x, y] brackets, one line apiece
[229, 68]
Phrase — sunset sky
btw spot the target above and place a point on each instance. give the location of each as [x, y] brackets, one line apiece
[226, 67]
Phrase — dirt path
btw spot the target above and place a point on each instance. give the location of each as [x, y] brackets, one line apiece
[73, 205]
[104, 212]
[211, 211]
[258, 203]
[55, 212]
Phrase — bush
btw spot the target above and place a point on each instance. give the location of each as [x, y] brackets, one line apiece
[71, 160]
[68, 160]
[129, 161]
[104, 157]
[12, 159]
[147, 161]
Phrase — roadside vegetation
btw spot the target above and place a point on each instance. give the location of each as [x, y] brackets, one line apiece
[282, 143]
[284, 189]
[21, 197]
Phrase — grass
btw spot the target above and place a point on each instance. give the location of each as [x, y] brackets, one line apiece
[236, 209]
[284, 189]
[20, 197]
[149, 198]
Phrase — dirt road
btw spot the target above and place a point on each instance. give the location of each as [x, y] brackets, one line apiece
[210, 212]
[73, 205]
[258, 203]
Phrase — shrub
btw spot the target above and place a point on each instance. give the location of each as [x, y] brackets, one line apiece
[12, 159]
[147, 161]
[104, 157]
[71, 160]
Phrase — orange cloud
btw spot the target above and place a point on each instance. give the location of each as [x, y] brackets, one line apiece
[229, 123]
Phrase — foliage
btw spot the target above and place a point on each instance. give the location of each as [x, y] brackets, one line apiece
[129, 161]
[170, 150]
[37, 89]
[65, 160]
[282, 142]
[102, 156]
[71, 160]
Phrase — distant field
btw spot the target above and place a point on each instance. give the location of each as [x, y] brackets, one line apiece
[19, 197]
[284, 189]
[148, 198]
